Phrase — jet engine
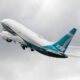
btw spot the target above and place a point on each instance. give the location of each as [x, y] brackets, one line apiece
[5, 35]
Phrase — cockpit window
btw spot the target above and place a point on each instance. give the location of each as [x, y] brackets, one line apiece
[6, 28]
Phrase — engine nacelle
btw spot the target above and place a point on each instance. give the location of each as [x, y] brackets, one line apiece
[9, 40]
[5, 35]
[10, 37]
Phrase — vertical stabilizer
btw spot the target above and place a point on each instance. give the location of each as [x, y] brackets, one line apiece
[64, 42]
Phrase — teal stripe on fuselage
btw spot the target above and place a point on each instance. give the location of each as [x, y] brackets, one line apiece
[39, 49]
[51, 47]
[43, 50]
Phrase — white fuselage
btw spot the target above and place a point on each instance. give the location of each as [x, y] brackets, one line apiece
[26, 34]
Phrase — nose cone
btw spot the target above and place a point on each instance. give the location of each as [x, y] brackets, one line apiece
[4, 20]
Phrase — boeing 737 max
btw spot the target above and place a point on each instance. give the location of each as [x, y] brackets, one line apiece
[14, 31]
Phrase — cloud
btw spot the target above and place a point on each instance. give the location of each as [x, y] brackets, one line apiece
[35, 66]
[46, 17]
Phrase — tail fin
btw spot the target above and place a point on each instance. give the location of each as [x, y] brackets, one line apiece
[63, 43]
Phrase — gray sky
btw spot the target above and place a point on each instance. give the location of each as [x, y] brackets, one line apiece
[52, 19]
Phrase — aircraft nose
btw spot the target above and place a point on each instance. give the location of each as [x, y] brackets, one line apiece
[4, 20]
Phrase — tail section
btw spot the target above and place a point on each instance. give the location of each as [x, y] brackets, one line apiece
[64, 42]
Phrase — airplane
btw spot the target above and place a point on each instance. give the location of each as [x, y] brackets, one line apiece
[14, 31]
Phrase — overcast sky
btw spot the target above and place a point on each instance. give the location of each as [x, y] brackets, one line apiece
[51, 19]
